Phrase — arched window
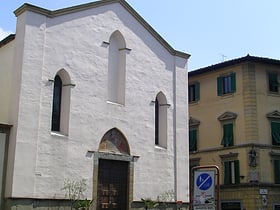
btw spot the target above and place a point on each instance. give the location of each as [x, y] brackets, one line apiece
[61, 102]
[161, 120]
[116, 68]
[56, 111]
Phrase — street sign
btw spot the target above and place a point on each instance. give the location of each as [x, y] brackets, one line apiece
[204, 187]
[263, 191]
[204, 207]
[204, 181]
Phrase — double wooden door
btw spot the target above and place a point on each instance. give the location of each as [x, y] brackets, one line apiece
[112, 185]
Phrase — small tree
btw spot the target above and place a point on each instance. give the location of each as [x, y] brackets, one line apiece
[74, 190]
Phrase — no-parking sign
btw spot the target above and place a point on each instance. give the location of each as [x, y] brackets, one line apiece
[204, 187]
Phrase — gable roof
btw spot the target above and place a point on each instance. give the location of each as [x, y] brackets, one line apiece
[236, 61]
[68, 10]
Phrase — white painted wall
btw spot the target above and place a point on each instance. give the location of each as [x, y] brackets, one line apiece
[74, 42]
[6, 65]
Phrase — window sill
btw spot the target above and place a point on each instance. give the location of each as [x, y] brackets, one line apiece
[274, 94]
[160, 147]
[193, 103]
[114, 103]
[53, 133]
[227, 95]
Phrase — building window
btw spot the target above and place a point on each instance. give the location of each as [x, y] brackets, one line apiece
[61, 102]
[193, 134]
[273, 82]
[276, 206]
[193, 140]
[275, 133]
[194, 92]
[56, 111]
[227, 121]
[161, 120]
[227, 139]
[230, 205]
[194, 162]
[276, 163]
[231, 172]
[274, 118]
[226, 84]
[117, 68]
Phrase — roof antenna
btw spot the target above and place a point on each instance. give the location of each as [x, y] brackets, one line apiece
[223, 57]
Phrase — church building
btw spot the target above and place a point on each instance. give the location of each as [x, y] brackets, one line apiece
[91, 92]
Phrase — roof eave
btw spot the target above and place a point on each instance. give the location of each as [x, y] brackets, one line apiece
[7, 40]
[232, 62]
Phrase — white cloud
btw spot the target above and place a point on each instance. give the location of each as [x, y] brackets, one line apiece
[4, 34]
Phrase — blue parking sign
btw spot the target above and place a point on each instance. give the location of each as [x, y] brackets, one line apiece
[204, 181]
[204, 187]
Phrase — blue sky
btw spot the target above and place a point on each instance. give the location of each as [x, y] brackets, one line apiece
[211, 31]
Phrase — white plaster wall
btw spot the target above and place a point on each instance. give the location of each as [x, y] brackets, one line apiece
[6, 65]
[75, 43]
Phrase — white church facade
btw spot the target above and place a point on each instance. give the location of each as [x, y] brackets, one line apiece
[91, 92]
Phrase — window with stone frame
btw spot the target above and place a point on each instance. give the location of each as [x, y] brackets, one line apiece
[194, 162]
[227, 121]
[161, 106]
[274, 120]
[194, 92]
[193, 134]
[231, 168]
[275, 157]
[273, 84]
[61, 102]
[226, 84]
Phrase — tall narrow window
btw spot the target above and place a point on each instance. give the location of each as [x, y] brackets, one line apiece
[276, 163]
[116, 68]
[156, 122]
[227, 122]
[227, 135]
[231, 172]
[61, 102]
[226, 84]
[273, 82]
[194, 92]
[56, 111]
[193, 140]
[161, 120]
[193, 134]
[275, 133]
[274, 120]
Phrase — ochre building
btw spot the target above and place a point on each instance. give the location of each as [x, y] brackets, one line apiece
[234, 124]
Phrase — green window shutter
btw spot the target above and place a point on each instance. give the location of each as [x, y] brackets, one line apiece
[273, 82]
[219, 86]
[197, 91]
[236, 172]
[228, 135]
[277, 171]
[275, 133]
[227, 173]
[193, 140]
[233, 82]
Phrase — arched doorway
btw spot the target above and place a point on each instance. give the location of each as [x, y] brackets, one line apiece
[113, 177]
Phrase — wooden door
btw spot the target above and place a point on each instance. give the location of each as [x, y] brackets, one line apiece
[112, 185]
